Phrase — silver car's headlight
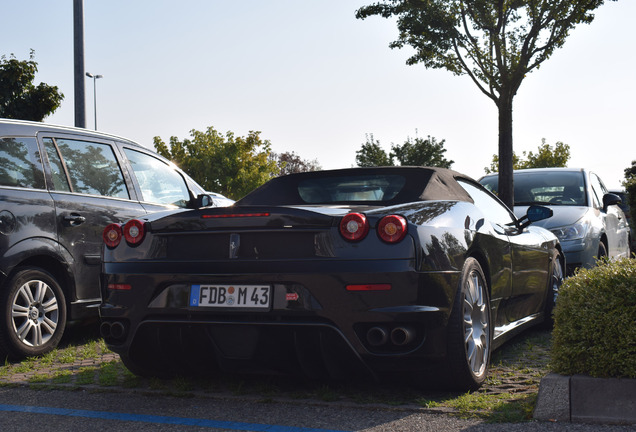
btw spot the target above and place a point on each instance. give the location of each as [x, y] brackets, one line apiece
[571, 232]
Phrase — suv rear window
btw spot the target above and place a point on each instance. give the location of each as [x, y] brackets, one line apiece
[20, 163]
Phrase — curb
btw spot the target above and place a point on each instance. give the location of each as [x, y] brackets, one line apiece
[583, 399]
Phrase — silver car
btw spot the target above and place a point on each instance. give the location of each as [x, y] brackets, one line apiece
[587, 219]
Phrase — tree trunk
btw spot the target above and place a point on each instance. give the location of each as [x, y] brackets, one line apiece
[506, 188]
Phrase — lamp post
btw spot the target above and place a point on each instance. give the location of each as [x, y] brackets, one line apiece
[95, 77]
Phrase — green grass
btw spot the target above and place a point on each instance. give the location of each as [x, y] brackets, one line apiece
[86, 376]
[496, 408]
[108, 373]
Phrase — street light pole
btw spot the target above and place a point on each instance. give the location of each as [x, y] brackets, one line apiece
[95, 77]
[78, 60]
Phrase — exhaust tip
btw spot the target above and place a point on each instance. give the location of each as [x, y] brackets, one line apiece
[377, 336]
[104, 329]
[117, 330]
[401, 336]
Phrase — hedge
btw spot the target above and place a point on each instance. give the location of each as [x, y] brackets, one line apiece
[595, 322]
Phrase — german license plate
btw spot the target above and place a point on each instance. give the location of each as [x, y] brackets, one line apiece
[231, 296]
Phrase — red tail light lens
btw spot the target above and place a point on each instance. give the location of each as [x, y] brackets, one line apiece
[369, 287]
[134, 231]
[354, 226]
[233, 215]
[392, 228]
[120, 287]
[112, 235]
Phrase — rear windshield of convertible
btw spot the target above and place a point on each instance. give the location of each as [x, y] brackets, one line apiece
[367, 188]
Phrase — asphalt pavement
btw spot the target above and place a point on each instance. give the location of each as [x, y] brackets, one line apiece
[25, 409]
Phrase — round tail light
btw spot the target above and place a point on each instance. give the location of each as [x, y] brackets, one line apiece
[134, 231]
[112, 235]
[354, 226]
[392, 228]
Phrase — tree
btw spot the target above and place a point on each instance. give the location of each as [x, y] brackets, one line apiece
[20, 98]
[232, 166]
[495, 43]
[371, 154]
[291, 163]
[421, 152]
[546, 157]
[414, 152]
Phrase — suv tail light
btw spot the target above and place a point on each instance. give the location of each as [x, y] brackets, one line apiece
[134, 232]
[354, 226]
[112, 235]
[392, 228]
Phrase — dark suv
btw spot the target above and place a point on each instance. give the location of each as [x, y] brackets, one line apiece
[59, 188]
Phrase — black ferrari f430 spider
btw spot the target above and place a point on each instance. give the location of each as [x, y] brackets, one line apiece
[403, 270]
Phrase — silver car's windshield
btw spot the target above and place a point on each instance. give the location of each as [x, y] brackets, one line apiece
[545, 187]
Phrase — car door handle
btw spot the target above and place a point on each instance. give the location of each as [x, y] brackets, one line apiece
[74, 219]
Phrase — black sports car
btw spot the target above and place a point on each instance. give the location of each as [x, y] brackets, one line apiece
[409, 270]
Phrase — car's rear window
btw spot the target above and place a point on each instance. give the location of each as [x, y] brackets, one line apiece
[368, 188]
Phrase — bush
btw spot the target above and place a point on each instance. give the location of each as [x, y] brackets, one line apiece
[595, 322]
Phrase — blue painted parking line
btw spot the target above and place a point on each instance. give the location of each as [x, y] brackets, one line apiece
[143, 418]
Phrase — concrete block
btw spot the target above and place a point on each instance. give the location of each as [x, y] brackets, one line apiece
[553, 401]
[602, 400]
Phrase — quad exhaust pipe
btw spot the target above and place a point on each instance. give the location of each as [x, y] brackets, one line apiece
[397, 336]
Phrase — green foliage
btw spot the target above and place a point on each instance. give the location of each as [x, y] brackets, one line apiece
[496, 43]
[494, 165]
[371, 154]
[20, 98]
[232, 166]
[595, 322]
[414, 152]
[546, 157]
[421, 152]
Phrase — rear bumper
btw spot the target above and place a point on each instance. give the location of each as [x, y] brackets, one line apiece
[407, 321]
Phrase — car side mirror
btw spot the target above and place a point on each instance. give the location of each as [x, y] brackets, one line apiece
[535, 213]
[203, 200]
[610, 199]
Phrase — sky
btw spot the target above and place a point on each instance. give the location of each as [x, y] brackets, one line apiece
[315, 80]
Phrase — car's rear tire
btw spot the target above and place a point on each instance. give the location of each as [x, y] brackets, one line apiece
[469, 330]
[34, 314]
[602, 250]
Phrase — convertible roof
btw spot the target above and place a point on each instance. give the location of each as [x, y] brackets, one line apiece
[420, 184]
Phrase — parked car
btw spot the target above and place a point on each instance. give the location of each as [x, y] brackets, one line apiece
[624, 205]
[59, 188]
[385, 270]
[587, 219]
